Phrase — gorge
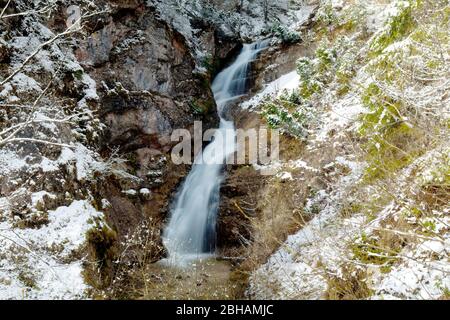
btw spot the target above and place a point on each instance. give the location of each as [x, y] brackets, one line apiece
[93, 207]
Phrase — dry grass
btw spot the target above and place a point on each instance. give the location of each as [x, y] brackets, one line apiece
[350, 286]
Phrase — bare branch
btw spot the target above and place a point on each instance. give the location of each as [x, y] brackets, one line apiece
[4, 9]
[13, 140]
[68, 31]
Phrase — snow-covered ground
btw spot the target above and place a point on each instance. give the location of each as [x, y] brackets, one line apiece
[294, 271]
[42, 263]
[45, 262]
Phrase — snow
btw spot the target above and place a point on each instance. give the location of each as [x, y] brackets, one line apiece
[106, 204]
[44, 262]
[144, 191]
[83, 158]
[9, 162]
[45, 122]
[90, 87]
[383, 13]
[23, 83]
[293, 269]
[130, 192]
[418, 277]
[289, 82]
[5, 94]
[37, 263]
[283, 176]
[300, 268]
[276, 167]
[38, 197]
[342, 113]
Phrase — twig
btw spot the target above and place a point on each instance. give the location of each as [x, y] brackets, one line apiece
[4, 9]
[43, 45]
[2, 143]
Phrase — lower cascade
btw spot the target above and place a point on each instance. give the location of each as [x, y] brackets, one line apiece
[191, 231]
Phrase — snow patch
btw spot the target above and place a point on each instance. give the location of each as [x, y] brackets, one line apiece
[38, 263]
[289, 82]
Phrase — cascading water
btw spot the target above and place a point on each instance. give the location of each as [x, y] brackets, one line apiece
[191, 231]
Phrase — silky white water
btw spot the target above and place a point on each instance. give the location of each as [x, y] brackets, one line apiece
[191, 230]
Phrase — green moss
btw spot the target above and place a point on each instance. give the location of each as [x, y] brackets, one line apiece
[309, 83]
[414, 212]
[387, 134]
[385, 154]
[440, 174]
[344, 78]
[201, 106]
[211, 64]
[352, 208]
[349, 25]
[446, 293]
[318, 72]
[428, 227]
[78, 74]
[102, 242]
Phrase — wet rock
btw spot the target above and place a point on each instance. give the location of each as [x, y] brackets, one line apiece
[139, 121]
[238, 204]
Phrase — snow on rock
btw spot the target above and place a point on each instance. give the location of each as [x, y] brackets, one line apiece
[9, 162]
[40, 263]
[284, 176]
[90, 87]
[38, 197]
[23, 83]
[245, 20]
[130, 192]
[84, 159]
[289, 82]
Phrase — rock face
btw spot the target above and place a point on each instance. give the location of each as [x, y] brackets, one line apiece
[148, 78]
[238, 204]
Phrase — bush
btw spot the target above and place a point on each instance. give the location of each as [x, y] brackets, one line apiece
[399, 26]
[388, 148]
[286, 36]
[290, 113]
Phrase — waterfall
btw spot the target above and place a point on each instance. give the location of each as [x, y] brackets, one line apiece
[191, 230]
